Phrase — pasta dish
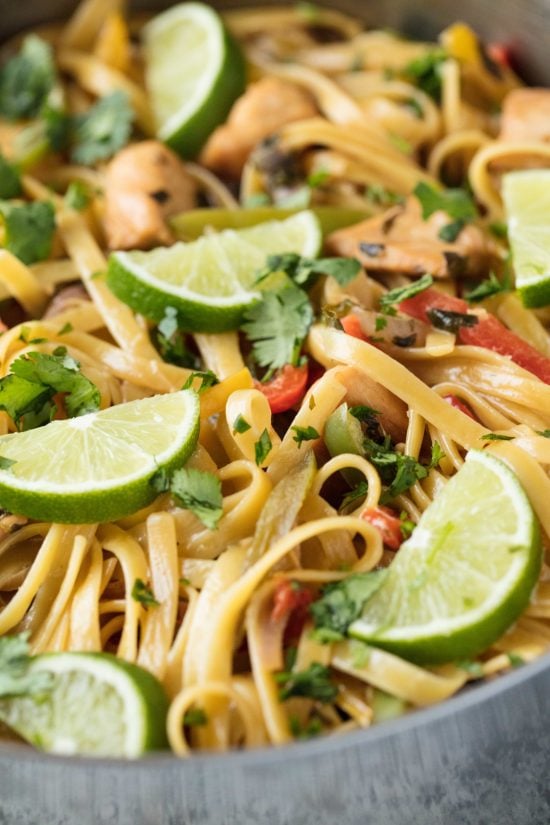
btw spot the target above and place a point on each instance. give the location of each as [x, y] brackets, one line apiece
[274, 291]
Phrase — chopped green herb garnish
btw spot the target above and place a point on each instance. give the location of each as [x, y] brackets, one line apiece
[363, 413]
[15, 680]
[343, 602]
[277, 325]
[240, 425]
[258, 199]
[457, 203]
[303, 271]
[407, 525]
[262, 448]
[487, 288]
[315, 683]
[27, 393]
[66, 328]
[360, 491]
[6, 463]
[472, 668]
[143, 594]
[380, 323]
[29, 229]
[313, 727]
[396, 470]
[27, 79]
[543, 433]
[207, 378]
[499, 229]
[318, 178]
[170, 341]
[195, 717]
[10, 179]
[77, 195]
[24, 336]
[401, 293]
[415, 107]
[425, 72]
[102, 130]
[497, 437]
[382, 196]
[200, 492]
[515, 660]
[451, 231]
[304, 434]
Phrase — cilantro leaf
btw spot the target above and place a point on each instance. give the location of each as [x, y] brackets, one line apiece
[26, 394]
[262, 448]
[207, 379]
[10, 179]
[396, 470]
[171, 341]
[450, 321]
[15, 679]
[29, 229]
[497, 437]
[304, 434]
[195, 717]
[77, 195]
[6, 463]
[343, 602]
[102, 130]
[200, 492]
[27, 79]
[314, 683]
[451, 231]
[425, 72]
[457, 203]
[303, 271]
[472, 668]
[487, 288]
[543, 433]
[363, 413]
[401, 293]
[277, 326]
[313, 727]
[380, 195]
[515, 659]
[240, 425]
[143, 594]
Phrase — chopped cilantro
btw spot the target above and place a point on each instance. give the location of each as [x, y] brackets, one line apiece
[304, 434]
[515, 660]
[143, 594]
[307, 11]
[6, 463]
[543, 433]
[457, 203]
[77, 195]
[201, 492]
[315, 683]
[258, 199]
[240, 425]
[171, 341]
[363, 413]
[10, 179]
[499, 229]
[27, 79]
[24, 336]
[407, 525]
[487, 288]
[302, 271]
[450, 321]
[343, 602]
[195, 717]
[401, 293]
[208, 379]
[497, 437]
[472, 668]
[102, 130]
[27, 393]
[451, 231]
[66, 328]
[15, 679]
[401, 144]
[313, 727]
[360, 491]
[380, 323]
[396, 470]
[318, 178]
[277, 326]
[381, 196]
[262, 448]
[415, 107]
[425, 72]
[29, 229]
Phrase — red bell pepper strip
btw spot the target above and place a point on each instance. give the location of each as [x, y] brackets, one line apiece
[488, 333]
[352, 326]
[286, 388]
[387, 524]
[291, 602]
[455, 402]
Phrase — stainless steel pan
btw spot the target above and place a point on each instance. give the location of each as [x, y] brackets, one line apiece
[479, 759]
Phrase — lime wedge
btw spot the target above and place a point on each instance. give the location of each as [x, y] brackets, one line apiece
[527, 201]
[209, 281]
[190, 225]
[97, 467]
[92, 704]
[465, 574]
[194, 72]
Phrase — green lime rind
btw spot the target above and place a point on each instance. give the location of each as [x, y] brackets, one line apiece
[535, 295]
[194, 72]
[489, 582]
[150, 298]
[95, 705]
[189, 139]
[77, 501]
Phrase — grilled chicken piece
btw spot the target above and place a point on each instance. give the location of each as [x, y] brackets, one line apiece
[265, 107]
[400, 240]
[145, 184]
[67, 297]
[526, 115]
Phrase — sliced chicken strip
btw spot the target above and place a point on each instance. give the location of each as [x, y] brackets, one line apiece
[526, 115]
[145, 184]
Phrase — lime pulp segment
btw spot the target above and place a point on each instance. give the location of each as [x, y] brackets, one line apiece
[527, 200]
[95, 705]
[466, 573]
[210, 281]
[194, 73]
[97, 467]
